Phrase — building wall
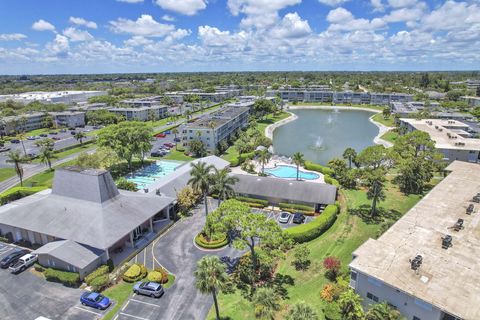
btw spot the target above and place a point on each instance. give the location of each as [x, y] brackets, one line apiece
[49, 261]
[70, 120]
[462, 155]
[408, 305]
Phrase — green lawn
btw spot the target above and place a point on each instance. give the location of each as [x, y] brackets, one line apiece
[390, 136]
[43, 179]
[66, 153]
[118, 293]
[348, 233]
[6, 173]
[390, 122]
[177, 155]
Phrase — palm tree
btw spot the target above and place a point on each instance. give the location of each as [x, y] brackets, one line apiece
[302, 311]
[46, 155]
[265, 301]
[17, 159]
[349, 154]
[79, 136]
[382, 311]
[200, 180]
[263, 157]
[211, 278]
[21, 137]
[223, 183]
[175, 132]
[298, 160]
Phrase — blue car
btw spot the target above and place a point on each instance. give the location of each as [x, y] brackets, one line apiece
[95, 300]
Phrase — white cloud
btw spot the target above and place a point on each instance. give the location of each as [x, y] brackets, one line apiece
[377, 5]
[401, 3]
[333, 3]
[82, 22]
[408, 15]
[452, 16]
[12, 36]
[59, 46]
[292, 26]
[343, 20]
[186, 7]
[144, 26]
[42, 25]
[259, 13]
[136, 41]
[168, 18]
[339, 15]
[77, 35]
[214, 37]
[130, 1]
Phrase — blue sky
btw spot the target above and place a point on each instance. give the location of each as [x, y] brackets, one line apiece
[96, 36]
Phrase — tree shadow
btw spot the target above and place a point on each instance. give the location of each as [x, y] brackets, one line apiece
[280, 282]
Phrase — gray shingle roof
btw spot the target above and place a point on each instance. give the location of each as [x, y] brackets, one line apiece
[69, 252]
[301, 191]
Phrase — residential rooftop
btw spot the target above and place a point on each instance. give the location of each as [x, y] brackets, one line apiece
[218, 118]
[444, 133]
[447, 278]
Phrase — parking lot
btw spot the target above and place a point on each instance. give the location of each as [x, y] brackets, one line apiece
[276, 214]
[140, 307]
[28, 296]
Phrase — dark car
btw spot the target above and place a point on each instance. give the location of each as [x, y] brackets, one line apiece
[53, 132]
[12, 258]
[73, 133]
[14, 141]
[95, 300]
[298, 218]
[56, 138]
[43, 135]
[156, 154]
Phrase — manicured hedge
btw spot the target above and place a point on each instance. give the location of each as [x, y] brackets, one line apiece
[293, 206]
[18, 193]
[38, 267]
[309, 231]
[236, 161]
[158, 275]
[69, 279]
[318, 168]
[328, 179]
[263, 203]
[100, 271]
[202, 242]
[135, 273]
[99, 283]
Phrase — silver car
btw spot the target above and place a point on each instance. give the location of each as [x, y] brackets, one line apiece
[284, 217]
[149, 288]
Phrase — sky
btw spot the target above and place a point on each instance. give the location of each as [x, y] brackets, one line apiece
[110, 36]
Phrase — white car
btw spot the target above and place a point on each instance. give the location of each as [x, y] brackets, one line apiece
[23, 263]
[284, 217]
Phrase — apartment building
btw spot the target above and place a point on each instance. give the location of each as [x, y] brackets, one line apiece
[452, 138]
[67, 97]
[213, 128]
[141, 113]
[410, 108]
[25, 122]
[473, 85]
[69, 119]
[471, 101]
[426, 264]
[143, 102]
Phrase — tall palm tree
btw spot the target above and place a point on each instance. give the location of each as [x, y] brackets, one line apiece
[350, 154]
[222, 184]
[302, 311]
[79, 136]
[46, 155]
[17, 159]
[265, 301]
[211, 278]
[21, 137]
[263, 157]
[298, 160]
[201, 179]
[175, 132]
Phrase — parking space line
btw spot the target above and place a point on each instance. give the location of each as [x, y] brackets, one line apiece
[126, 304]
[90, 311]
[147, 303]
[132, 316]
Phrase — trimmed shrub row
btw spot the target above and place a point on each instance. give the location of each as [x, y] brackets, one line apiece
[136, 272]
[318, 168]
[99, 283]
[18, 193]
[263, 203]
[100, 271]
[328, 179]
[203, 243]
[309, 231]
[69, 279]
[293, 206]
[236, 161]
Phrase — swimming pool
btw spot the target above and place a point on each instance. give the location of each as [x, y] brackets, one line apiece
[289, 172]
[153, 172]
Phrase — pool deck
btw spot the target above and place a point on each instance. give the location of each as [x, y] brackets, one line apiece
[272, 164]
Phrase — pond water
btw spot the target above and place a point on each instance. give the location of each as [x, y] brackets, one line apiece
[322, 135]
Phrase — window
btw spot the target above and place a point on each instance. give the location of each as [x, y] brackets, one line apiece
[372, 297]
[353, 276]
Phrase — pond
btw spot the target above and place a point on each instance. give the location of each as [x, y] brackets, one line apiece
[322, 135]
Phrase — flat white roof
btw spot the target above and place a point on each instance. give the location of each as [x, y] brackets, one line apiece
[448, 278]
[441, 132]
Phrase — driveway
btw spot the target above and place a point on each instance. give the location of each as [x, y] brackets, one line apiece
[26, 296]
[176, 252]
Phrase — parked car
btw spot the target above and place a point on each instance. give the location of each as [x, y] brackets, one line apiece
[298, 218]
[56, 138]
[31, 138]
[43, 135]
[53, 132]
[3, 149]
[168, 132]
[23, 263]
[177, 139]
[170, 145]
[161, 135]
[12, 258]
[14, 141]
[96, 127]
[284, 217]
[149, 288]
[156, 154]
[95, 300]
[63, 130]
[73, 133]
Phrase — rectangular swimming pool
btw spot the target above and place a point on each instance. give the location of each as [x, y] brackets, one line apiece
[145, 176]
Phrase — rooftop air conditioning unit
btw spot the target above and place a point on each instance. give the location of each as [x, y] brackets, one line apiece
[471, 207]
[416, 262]
[458, 225]
[446, 241]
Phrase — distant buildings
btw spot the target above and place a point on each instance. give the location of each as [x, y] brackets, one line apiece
[471, 101]
[473, 85]
[426, 264]
[37, 120]
[67, 97]
[68, 119]
[141, 113]
[344, 97]
[215, 127]
[410, 108]
[220, 94]
[451, 137]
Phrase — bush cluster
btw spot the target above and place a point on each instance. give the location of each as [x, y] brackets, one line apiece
[98, 279]
[136, 272]
[69, 279]
[328, 179]
[38, 267]
[318, 168]
[202, 242]
[158, 275]
[236, 161]
[309, 231]
[18, 193]
[292, 207]
[252, 202]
